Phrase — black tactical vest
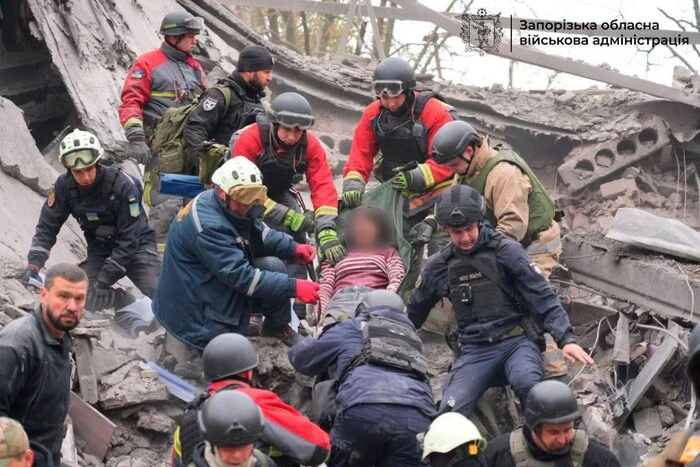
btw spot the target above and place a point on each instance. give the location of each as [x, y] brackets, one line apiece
[241, 112]
[474, 295]
[280, 170]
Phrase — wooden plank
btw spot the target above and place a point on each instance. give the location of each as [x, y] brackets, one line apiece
[621, 349]
[86, 370]
[91, 426]
[376, 35]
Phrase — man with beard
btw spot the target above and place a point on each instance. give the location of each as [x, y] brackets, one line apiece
[35, 364]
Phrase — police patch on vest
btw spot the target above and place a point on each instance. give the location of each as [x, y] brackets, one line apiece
[52, 197]
[137, 74]
[92, 216]
[209, 104]
[536, 268]
[134, 208]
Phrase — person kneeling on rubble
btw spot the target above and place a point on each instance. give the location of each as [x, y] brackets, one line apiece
[372, 263]
[107, 204]
[453, 441]
[549, 437]
[229, 361]
[384, 397]
[230, 424]
[221, 262]
[501, 301]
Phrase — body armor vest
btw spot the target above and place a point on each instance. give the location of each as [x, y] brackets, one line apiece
[524, 458]
[280, 170]
[474, 292]
[240, 113]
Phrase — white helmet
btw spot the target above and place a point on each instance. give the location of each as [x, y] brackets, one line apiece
[236, 171]
[79, 150]
[450, 431]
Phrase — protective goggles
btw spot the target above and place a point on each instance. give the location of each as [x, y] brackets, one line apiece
[391, 88]
[294, 120]
[248, 194]
[195, 22]
[80, 159]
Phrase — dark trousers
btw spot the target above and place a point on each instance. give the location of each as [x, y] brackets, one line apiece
[277, 313]
[382, 435]
[516, 361]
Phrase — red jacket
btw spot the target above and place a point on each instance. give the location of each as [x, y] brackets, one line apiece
[324, 196]
[364, 146]
[152, 82]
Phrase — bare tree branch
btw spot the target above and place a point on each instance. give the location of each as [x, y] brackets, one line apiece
[678, 23]
[681, 58]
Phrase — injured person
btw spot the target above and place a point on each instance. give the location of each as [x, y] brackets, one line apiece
[373, 262]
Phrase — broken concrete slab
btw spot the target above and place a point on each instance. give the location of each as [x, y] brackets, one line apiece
[648, 422]
[157, 422]
[619, 187]
[86, 372]
[645, 230]
[599, 426]
[127, 386]
[621, 349]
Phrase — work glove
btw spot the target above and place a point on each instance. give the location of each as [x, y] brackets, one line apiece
[298, 222]
[305, 254]
[137, 148]
[352, 192]
[30, 272]
[331, 248]
[307, 291]
[99, 296]
[410, 180]
[422, 232]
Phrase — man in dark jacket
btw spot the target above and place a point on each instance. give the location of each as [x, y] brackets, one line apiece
[501, 300]
[35, 364]
[549, 436]
[213, 273]
[384, 397]
[107, 204]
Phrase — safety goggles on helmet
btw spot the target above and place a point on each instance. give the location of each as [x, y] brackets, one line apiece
[293, 120]
[391, 88]
[80, 159]
[248, 194]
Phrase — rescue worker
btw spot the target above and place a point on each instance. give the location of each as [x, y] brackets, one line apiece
[107, 204]
[214, 121]
[517, 204]
[549, 437]
[229, 362]
[501, 302]
[384, 398]
[284, 149]
[221, 262]
[453, 441]
[14, 445]
[166, 77]
[230, 424]
[35, 361]
[401, 123]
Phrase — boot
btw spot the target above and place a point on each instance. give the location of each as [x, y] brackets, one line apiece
[286, 334]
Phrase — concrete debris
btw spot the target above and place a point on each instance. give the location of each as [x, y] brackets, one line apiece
[157, 422]
[622, 186]
[648, 422]
[130, 386]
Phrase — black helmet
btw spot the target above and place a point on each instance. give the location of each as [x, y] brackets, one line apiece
[383, 298]
[181, 22]
[452, 139]
[550, 402]
[393, 76]
[693, 367]
[228, 355]
[230, 418]
[291, 110]
[458, 206]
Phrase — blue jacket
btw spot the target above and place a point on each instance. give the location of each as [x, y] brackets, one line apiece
[208, 282]
[368, 383]
[528, 286]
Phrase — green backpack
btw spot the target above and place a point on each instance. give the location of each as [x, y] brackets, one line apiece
[169, 139]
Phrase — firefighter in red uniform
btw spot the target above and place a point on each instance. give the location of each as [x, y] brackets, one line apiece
[285, 151]
[401, 124]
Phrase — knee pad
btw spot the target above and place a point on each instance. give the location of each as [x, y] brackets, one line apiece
[270, 263]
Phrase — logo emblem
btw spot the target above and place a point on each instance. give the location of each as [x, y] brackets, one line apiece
[209, 104]
[52, 197]
[481, 32]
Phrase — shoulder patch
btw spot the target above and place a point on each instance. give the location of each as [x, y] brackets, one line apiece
[419, 281]
[536, 268]
[209, 104]
[137, 74]
[134, 207]
[51, 200]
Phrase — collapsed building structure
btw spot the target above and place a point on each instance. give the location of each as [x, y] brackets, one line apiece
[609, 156]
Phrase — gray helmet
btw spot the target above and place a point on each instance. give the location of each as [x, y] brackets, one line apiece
[693, 367]
[393, 75]
[381, 298]
[550, 402]
[181, 22]
[230, 418]
[227, 355]
[291, 110]
[452, 139]
[458, 206]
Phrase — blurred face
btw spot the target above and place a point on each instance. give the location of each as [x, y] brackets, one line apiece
[392, 103]
[184, 43]
[365, 233]
[554, 438]
[465, 237]
[62, 305]
[259, 79]
[24, 460]
[85, 177]
[289, 136]
[235, 455]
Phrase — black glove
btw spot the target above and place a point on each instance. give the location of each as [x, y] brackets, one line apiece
[30, 272]
[100, 296]
[137, 148]
[422, 232]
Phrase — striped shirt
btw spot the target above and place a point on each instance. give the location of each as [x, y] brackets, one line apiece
[378, 270]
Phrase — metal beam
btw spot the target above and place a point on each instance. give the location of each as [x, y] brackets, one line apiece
[377, 36]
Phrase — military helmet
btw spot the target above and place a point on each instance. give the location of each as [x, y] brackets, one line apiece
[458, 206]
[393, 76]
[180, 22]
[228, 355]
[452, 139]
[381, 298]
[230, 418]
[291, 110]
[550, 402]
